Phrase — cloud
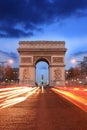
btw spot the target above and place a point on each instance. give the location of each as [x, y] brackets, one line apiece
[5, 56]
[22, 18]
[79, 53]
[12, 32]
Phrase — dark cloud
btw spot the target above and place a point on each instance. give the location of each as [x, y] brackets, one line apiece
[5, 56]
[13, 32]
[14, 56]
[79, 53]
[21, 18]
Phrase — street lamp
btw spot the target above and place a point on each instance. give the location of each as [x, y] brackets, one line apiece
[10, 61]
[73, 61]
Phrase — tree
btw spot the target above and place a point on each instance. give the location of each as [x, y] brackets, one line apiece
[84, 65]
[2, 73]
[8, 73]
[76, 72]
[71, 72]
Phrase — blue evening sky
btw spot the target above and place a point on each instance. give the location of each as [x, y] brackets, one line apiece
[52, 20]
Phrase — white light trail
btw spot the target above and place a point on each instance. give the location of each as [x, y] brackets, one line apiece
[11, 96]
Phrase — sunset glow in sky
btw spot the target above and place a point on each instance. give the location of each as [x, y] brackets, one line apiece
[51, 20]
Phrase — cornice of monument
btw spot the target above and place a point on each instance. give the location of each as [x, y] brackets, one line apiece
[42, 44]
[41, 51]
[41, 41]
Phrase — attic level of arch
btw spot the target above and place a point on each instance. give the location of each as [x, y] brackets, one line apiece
[42, 47]
[41, 44]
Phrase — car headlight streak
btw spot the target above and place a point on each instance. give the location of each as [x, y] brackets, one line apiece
[11, 96]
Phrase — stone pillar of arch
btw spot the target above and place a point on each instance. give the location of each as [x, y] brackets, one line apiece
[53, 52]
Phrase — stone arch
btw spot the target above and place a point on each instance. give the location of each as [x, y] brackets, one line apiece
[52, 52]
[42, 58]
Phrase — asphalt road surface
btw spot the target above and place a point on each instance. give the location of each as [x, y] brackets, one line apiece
[44, 110]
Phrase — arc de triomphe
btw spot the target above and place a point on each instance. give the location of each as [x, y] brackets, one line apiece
[52, 52]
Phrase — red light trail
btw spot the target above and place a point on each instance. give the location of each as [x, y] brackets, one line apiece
[77, 96]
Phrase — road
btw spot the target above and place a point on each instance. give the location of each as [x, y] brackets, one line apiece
[76, 95]
[42, 110]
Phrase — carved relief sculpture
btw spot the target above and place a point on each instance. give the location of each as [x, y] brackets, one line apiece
[57, 74]
[26, 59]
[57, 59]
[36, 58]
[25, 74]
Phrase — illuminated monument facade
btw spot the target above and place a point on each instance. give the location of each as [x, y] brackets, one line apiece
[52, 52]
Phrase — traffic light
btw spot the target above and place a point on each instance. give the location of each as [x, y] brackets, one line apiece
[42, 79]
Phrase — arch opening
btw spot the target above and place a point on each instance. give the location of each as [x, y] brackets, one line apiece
[42, 72]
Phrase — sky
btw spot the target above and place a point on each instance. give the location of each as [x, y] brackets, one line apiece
[50, 20]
